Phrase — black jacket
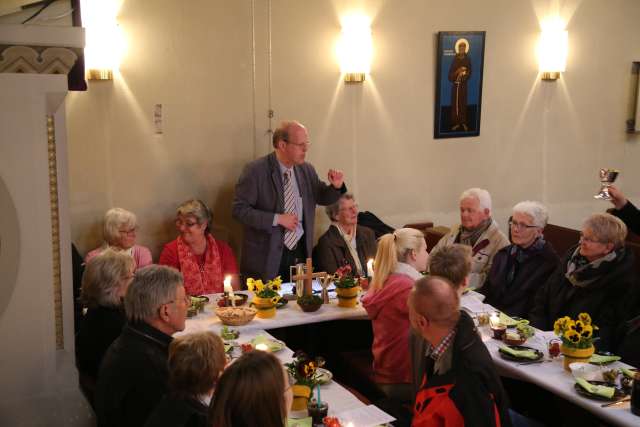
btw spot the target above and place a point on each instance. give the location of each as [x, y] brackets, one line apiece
[517, 298]
[133, 376]
[99, 327]
[332, 252]
[630, 215]
[470, 390]
[609, 300]
[175, 412]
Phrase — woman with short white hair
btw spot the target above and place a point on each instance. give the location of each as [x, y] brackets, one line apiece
[120, 232]
[597, 276]
[518, 270]
[104, 284]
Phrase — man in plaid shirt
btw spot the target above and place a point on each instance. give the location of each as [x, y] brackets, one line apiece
[454, 377]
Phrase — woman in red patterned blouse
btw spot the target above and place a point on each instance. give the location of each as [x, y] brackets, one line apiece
[203, 261]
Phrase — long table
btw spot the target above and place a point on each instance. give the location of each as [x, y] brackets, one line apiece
[290, 315]
[549, 375]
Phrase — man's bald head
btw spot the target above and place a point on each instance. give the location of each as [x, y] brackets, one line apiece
[435, 299]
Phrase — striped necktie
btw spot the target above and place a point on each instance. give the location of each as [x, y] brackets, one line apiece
[290, 236]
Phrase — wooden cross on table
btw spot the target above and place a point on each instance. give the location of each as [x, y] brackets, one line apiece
[308, 277]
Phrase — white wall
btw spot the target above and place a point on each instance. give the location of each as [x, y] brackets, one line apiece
[208, 64]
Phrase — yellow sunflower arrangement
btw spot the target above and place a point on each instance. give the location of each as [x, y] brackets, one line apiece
[575, 333]
[265, 290]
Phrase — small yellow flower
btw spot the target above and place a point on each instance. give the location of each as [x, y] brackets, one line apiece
[259, 285]
[570, 325]
[557, 327]
[572, 336]
[585, 318]
[587, 332]
[579, 326]
[250, 284]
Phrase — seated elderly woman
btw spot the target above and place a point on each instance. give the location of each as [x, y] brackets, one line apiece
[104, 284]
[120, 227]
[478, 230]
[401, 256]
[345, 242]
[202, 260]
[597, 276]
[253, 391]
[195, 362]
[519, 270]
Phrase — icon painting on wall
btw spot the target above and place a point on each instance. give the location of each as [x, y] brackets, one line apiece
[459, 84]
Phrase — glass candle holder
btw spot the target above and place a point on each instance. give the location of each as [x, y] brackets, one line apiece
[317, 412]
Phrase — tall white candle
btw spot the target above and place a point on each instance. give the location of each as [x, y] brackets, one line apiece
[229, 290]
[370, 267]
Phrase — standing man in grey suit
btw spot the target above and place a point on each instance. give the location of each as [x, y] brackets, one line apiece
[276, 198]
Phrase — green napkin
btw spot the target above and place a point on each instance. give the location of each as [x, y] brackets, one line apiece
[599, 359]
[227, 347]
[524, 354]
[301, 422]
[628, 372]
[506, 320]
[600, 390]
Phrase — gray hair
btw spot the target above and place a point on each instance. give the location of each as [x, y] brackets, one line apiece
[333, 209]
[197, 209]
[607, 228]
[115, 218]
[153, 286]
[479, 194]
[536, 210]
[103, 278]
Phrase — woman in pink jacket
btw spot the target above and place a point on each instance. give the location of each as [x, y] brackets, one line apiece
[400, 258]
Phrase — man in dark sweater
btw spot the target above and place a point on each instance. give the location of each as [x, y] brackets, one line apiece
[133, 374]
[453, 375]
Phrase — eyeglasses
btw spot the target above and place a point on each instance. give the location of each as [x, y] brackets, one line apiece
[186, 299]
[129, 231]
[188, 224]
[587, 239]
[520, 225]
[300, 144]
[349, 208]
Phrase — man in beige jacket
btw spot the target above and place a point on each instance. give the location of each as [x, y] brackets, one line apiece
[479, 231]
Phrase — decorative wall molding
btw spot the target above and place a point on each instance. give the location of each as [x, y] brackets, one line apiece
[37, 59]
[55, 232]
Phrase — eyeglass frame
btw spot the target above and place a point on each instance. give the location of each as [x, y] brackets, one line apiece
[130, 231]
[590, 240]
[520, 226]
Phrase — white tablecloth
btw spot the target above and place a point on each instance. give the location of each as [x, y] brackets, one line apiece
[289, 315]
[338, 398]
[549, 375]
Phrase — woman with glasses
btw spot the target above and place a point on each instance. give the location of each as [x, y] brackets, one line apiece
[345, 242]
[104, 284]
[120, 229]
[519, 270]
[203, 261]
[253, 391]
[597, 276]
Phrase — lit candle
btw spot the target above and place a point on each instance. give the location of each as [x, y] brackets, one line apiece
[229, 290]
[370, 267]
[495, 320]
[262, 347]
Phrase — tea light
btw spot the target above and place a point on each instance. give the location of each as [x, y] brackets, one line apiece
[262, 347]
[229, 290]
[494, 320]
[370, 267]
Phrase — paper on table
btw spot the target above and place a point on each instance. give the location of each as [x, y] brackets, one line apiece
[302, 422]
[369, 416]
[473, 304]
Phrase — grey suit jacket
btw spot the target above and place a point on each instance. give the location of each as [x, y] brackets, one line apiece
[259, 195]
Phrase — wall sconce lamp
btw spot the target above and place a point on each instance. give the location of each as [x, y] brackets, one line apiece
[355, 48]
[104, 39]
[552, 49]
